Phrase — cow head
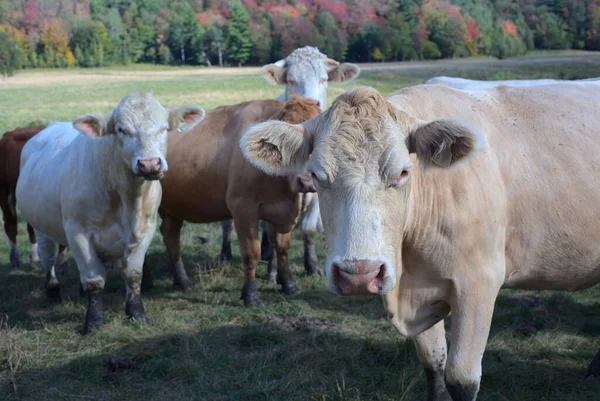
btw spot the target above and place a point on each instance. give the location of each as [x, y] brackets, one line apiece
[306, 72]
[360, 158]
[139, 127]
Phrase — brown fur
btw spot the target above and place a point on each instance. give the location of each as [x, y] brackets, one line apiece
[11, 145]
[209, 180]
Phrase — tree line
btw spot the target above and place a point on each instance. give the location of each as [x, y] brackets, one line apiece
[93, 33]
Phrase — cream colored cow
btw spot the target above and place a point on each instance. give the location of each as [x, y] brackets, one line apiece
[436, 198]
[470, 84]
[93, 185]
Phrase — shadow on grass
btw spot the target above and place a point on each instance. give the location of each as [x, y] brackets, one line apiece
[273, 362]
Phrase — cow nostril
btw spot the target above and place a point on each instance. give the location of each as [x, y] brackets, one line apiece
[382, 271]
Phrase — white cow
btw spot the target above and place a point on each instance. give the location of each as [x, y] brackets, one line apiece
[305, 72]
[471, 84]
[93, 185]
[436, 198]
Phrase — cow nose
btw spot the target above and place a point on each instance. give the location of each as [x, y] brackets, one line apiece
[360, 277]
[318, 103]
[149, 166]
[306, 184]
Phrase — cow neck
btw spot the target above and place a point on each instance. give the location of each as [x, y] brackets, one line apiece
[431, 201]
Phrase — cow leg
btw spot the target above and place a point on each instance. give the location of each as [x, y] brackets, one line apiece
[269, 230]
[431, 350]
[47, 250]
[147, 280]
[92, 275]
[7, 203]
[62, 262]
[472, 310]
[310, 223]
[266, 251]
[226, 255]
[247, 231]
[34, 256]
[172, 237]
[132, 273]
[284, 274]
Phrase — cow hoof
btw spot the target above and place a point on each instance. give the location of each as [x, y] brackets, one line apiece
[53, 291]
[134, 309]
[594, 368]
[94, 317]
[463, 392]
[225, 259]
[184, 285]
[250, 295]
[15, 260]
[290, 288]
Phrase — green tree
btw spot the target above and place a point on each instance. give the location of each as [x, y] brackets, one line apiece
[11, 56]
[239, 41]
[185, 35]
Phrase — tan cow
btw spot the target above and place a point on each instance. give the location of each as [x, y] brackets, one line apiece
[437, 198]
[93, 185]
[471, 84]
[209, 181]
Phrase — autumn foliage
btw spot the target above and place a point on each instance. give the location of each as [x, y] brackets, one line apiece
[64, 33]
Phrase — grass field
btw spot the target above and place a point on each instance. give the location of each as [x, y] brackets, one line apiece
[204, 345]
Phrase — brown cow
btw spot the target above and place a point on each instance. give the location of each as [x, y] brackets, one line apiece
[209, 180]
[11, 145]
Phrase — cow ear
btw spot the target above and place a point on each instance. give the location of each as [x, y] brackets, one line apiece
[93, 125]
[344, 72]
[445, 143]
[183, 119]
[276, 147]
[274, 73]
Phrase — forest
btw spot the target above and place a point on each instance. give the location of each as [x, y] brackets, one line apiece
[95, 33]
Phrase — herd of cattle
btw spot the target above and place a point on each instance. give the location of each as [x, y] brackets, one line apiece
[436, 197]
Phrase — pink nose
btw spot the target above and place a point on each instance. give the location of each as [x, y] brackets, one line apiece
[149, 166]
[306, 184]
[360, 277]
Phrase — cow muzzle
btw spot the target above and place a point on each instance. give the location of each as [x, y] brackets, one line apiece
[150, 169]
[304, 184]
[360, 277]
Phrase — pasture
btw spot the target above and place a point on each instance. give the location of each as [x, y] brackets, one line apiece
[203, 344]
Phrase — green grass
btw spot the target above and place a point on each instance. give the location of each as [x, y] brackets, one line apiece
[205, 345]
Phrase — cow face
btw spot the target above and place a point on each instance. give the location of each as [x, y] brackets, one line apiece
[361, 163]
[139, 127]
[306, 72]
